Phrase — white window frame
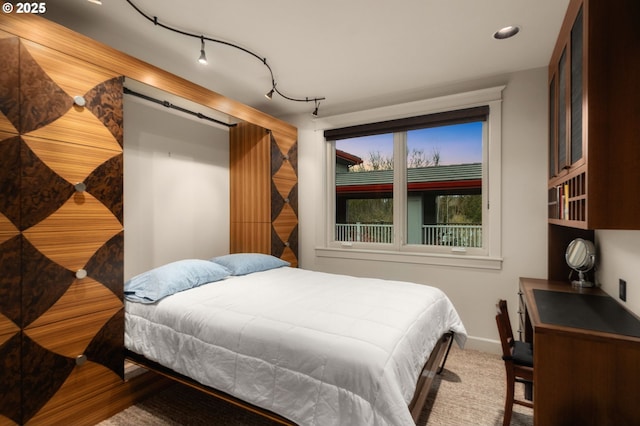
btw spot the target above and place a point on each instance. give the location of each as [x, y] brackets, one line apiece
[488, 257]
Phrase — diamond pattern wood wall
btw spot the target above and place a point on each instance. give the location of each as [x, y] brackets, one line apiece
[284, 197]
[61, 333]
[10, 240]
[264, 192]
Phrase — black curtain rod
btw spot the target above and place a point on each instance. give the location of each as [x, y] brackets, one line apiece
[168, 104]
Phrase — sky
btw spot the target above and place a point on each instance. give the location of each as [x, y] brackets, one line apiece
[457, 144]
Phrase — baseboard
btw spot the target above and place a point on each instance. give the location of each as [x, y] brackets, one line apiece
[483, 345]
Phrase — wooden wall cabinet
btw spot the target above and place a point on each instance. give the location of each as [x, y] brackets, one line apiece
[264, 191]
[61, 233]
[594, 79]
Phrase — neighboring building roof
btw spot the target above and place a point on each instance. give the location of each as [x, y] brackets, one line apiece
[423, 178]
[343, 157]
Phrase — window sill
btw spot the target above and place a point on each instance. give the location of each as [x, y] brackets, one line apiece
[461, 261]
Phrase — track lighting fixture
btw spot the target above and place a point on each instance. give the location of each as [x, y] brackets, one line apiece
[203, 57]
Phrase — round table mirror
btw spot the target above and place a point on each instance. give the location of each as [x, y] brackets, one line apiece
[581, 257]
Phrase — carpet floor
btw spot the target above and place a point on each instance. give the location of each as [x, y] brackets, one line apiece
[470, 391]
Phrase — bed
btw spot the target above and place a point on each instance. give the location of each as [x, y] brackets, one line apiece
[313, 348]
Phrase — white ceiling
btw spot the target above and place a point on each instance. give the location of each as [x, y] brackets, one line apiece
[357, 53]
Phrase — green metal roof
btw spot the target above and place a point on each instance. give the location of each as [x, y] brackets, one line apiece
[453, 172]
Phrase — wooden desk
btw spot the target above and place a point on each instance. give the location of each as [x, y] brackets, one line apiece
[586, 372]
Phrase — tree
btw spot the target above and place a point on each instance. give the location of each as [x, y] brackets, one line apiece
[416, 158]
[460, 209]
[370, 210]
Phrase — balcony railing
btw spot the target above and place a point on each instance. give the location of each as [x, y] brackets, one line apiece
[435, 235]
[364, 232]
[452, 235]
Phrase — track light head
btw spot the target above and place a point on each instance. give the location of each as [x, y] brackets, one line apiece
[203, 56]
[269, 95]
[315, 111]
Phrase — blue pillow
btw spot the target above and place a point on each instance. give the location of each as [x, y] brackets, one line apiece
[153, 285]
[246, 263]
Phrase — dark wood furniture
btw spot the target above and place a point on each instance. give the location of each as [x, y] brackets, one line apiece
[434, 365]
[586, 355]
[593, 110]
[518, 361]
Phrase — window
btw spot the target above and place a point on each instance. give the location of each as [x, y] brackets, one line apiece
[444, 185]
[364, 189]
[417, 187]
[441, 173]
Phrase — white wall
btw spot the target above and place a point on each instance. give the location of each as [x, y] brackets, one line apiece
[176, 187]
[618, 257]
[524, 223]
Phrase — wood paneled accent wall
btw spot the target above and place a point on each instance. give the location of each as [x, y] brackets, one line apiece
[61, 249]
[264, 191]
[250, 199]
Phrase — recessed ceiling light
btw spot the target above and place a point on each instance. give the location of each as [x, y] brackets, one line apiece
[95, 1]
[506, 32]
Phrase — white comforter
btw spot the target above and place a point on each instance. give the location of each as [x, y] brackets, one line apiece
[319, 349]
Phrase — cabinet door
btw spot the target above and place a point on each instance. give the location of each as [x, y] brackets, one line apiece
[10, 336]
[553, 149]
[70, 186]
[10, 239]
[563, 128]
[576, 139]
[566, 139]
[68, 361]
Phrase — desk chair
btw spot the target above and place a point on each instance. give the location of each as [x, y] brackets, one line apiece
[518, 361]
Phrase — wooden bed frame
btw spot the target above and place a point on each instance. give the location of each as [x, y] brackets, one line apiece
[433, 366]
